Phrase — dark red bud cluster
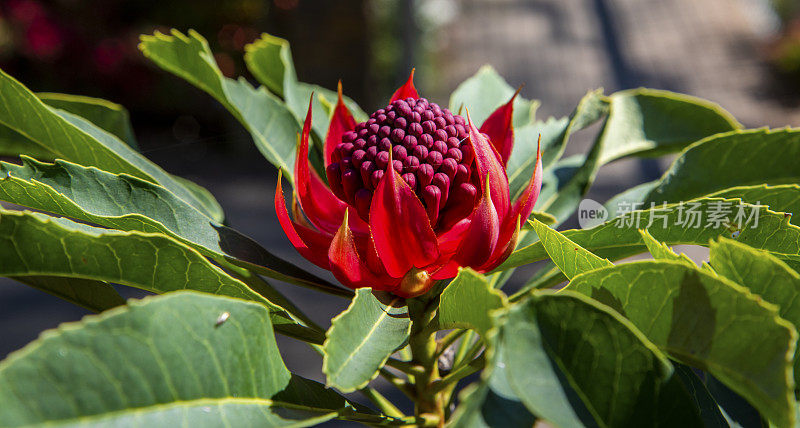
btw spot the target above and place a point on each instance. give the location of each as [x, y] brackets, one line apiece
[429, 150]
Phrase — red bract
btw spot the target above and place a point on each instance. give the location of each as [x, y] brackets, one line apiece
[415, 193]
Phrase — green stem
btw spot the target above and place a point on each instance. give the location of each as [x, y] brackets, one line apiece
[383, 403]
[426, 421]
[463, 347]
[470, 354]
[406, 367]
[458, 374]
[469, 346]
[422, 343]
[405, 354]
[448, 340]
[400, 384]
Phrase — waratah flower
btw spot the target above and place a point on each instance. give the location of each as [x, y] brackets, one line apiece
[415, 193]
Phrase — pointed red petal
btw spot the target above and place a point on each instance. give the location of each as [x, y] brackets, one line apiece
[449, 270]
[320, 205]
[500, 129]
[506, 246]
[400, 227]
[489, 168]
[523, 207]
[309, 243]
[341, 121]
[373, 260]
[297, 213]
[450, 240]
[480, 240]
[406, 91]
[346, 263]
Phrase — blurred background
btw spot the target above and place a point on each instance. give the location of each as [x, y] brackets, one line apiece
[742, 54]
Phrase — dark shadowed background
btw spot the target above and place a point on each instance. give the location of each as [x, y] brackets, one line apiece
[743, 54]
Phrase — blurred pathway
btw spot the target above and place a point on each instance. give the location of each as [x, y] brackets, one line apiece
[561, 48]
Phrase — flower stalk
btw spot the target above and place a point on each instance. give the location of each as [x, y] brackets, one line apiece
[422, 343]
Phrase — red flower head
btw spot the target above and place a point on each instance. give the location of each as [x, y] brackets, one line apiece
[415, 192]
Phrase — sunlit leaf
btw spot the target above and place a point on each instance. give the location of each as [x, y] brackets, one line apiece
[184, 359]
[567, 255]
[643, 122]
[270, 60]
[268, 120]
[37, 245]
[127, 203]
[707, 322]
[362, 338]
[467, 302]
[484, 92]
[75, 139]
[764, 275]
[753, 225]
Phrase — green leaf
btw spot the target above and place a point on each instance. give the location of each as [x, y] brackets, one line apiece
[573, 184]
[96, 296]
[362, 338]
[555, 134]
[640, 122]
[567, 255]
[184, 359]
[523, 155]
[619, 238]
[661, 251]
[491, 402]
[596, 369]
[270, 60]
[484, 92]
[127, 203]
[543, 217]
[782, 198]
[707, 322]
[738, 158]
[246, 412]
[653, 122]
[467, 301]
[764, 275]
[566, 182]
[272, 126]
[37, 245]
[75, 139]
[110, 117]
[709, 409]
[12, 143]
[618, 205]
